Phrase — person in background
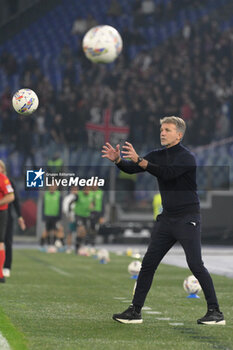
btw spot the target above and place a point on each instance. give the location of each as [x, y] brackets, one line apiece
[6, 196]
[9, 227]
[55, 164]
[68, 210]
[97, 213]
[82, 210]
[126, 184]
[51, 211]
[157, 205]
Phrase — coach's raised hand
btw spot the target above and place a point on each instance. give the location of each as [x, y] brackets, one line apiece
[111, 153]
[129, 152]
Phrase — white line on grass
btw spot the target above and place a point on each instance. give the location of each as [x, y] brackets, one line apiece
[146, 308]
[119, 298]
[163, 318]
[4, 343]
[153, 312]
[61, 272]
[51, 267]
[176, 324]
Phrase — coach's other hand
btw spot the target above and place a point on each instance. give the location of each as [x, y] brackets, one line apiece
[130, 152]
[111, 153]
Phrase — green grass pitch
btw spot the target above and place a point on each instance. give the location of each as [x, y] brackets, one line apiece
[66, 302]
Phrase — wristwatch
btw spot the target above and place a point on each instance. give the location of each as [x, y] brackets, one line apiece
[140, 159]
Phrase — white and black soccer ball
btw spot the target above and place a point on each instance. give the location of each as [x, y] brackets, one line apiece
[191, 285]
[102, 44]
[25, 101]
[134, 267]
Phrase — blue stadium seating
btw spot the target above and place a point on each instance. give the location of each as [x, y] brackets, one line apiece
[46, 37]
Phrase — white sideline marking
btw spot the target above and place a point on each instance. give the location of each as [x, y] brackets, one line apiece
[119, 298]
[146, 308]
[163, 318]
[153, 312]
[61, 272]
[4, 345]
[176, 324]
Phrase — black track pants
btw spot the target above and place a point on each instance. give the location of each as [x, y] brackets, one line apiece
[167, 231]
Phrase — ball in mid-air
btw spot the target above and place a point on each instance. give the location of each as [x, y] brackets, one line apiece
[25, 101]
[191, 285]
[102, 44]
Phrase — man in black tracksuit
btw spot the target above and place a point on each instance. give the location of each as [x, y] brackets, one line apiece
[175, 169]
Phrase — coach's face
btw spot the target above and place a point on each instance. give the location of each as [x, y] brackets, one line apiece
[169, 136]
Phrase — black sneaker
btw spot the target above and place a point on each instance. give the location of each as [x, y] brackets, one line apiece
[128, 316]
[212, 316]
[2, 280]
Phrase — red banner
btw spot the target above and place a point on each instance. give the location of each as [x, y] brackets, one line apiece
[106, 126]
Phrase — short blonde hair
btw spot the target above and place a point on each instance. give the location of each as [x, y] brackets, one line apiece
[178, 122]
[3, 166]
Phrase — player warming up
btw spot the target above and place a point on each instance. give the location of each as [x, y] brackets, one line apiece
[175, 169]
[6, 196]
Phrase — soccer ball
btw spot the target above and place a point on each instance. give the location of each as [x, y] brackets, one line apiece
[25, 101]
[103, 255]
[58, 243]
[191, 285]
[134, 267]
[52, 249]
[84, 251]
[102, 44]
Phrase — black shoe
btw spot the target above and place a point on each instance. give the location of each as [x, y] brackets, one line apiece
[2, 280]
[128, 316]
[212, 316]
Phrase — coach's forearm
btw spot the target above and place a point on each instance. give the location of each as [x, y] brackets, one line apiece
[129, 167]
